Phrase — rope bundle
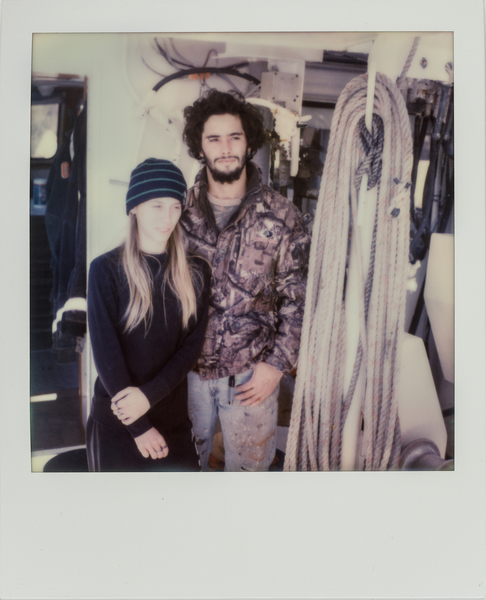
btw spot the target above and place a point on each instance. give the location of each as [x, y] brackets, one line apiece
[320, 408]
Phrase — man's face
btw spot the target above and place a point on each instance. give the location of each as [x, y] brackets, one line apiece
[224, 147]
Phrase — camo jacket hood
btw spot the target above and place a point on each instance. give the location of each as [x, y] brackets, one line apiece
[259, 267]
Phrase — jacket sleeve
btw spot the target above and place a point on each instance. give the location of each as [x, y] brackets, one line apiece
[103, 320]
[290, 286]
[174, 371]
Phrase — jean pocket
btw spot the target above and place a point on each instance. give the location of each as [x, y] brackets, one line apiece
[243, 377]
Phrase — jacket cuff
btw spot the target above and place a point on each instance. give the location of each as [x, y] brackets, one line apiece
[280, 365]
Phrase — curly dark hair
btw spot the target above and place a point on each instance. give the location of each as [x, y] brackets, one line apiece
[215, 102]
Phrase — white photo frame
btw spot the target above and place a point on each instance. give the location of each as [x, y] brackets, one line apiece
[293, 535]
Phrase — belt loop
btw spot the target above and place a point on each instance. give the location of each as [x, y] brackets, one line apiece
[231, 388]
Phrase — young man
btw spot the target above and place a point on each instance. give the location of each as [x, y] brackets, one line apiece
[257, 244]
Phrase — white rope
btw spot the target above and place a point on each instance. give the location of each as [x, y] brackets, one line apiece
[319, 408]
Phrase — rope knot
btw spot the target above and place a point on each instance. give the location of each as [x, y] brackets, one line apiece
[372, 146]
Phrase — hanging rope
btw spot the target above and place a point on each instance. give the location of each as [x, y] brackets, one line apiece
[319, 407]
[408, 62]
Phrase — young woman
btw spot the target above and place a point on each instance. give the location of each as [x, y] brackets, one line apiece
[147, 312]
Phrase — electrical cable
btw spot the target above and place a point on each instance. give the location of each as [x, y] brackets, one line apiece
[172, 62]
[152, 69]
[420, 130]
[230, 83]
[191, 69]
[448, 204]
[446, 174]
[441, 151]
[208, 55]
[201, 70]
[253, 90]
[420, 241]
[183, 58]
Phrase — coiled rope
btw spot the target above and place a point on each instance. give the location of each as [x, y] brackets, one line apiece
[319, 406]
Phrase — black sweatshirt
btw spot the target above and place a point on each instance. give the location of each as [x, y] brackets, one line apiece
[156, 361]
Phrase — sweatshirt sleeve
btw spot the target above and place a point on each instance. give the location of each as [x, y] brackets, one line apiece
[103, 301]
[103, 320]
[290, 281]
[183, 361]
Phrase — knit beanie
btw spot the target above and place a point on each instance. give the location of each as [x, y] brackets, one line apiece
[155, 178]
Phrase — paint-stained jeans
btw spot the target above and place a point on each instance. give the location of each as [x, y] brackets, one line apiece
[249, 432]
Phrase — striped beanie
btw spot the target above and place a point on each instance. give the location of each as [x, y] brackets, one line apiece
[155, 178]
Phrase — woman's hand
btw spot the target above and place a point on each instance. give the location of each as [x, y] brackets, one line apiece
[151, 443]
[129, 405]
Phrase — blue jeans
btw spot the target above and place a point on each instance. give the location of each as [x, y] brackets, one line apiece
[249, 432]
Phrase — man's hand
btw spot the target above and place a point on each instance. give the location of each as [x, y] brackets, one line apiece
[263, 382]
[129, 405]
[151, 443]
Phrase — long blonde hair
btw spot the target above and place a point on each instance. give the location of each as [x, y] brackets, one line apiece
[180, 275]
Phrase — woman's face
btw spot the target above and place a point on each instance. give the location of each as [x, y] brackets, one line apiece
[156, 220]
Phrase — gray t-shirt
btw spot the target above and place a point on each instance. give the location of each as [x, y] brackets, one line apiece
[223, 209]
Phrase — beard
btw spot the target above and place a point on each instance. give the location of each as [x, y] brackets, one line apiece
[227, 176]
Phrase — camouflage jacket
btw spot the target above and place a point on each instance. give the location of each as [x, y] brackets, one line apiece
[259, 263]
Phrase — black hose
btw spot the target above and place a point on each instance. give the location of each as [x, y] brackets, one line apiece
[211, 70]
[420, 131]
[419, 243]
[448, 204]
[412, 329]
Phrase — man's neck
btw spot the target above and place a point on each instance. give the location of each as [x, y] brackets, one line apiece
[237, 189]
